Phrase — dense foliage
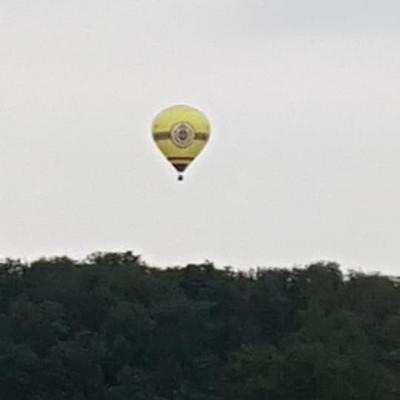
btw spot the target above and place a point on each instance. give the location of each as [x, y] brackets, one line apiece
[111, 328]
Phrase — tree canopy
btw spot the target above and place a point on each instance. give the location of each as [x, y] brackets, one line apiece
[112, 328]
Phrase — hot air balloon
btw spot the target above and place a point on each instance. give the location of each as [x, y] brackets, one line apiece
[180, 132]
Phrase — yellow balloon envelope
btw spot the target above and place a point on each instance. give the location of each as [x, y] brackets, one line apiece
[181, 132]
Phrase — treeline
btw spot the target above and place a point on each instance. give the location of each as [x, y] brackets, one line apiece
[112, 328]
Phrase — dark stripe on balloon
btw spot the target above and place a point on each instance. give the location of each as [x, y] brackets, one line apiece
[172, 159]
[162, 136]
[201, 136]
[167, 135]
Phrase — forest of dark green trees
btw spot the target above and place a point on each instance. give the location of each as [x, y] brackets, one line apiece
[112, 328]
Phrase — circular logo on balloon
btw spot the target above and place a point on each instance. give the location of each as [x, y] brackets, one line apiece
[182, 134]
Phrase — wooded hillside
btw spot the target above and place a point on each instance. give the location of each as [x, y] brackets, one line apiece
[112, 328]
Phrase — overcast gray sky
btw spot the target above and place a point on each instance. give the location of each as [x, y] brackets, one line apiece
[304, 103]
